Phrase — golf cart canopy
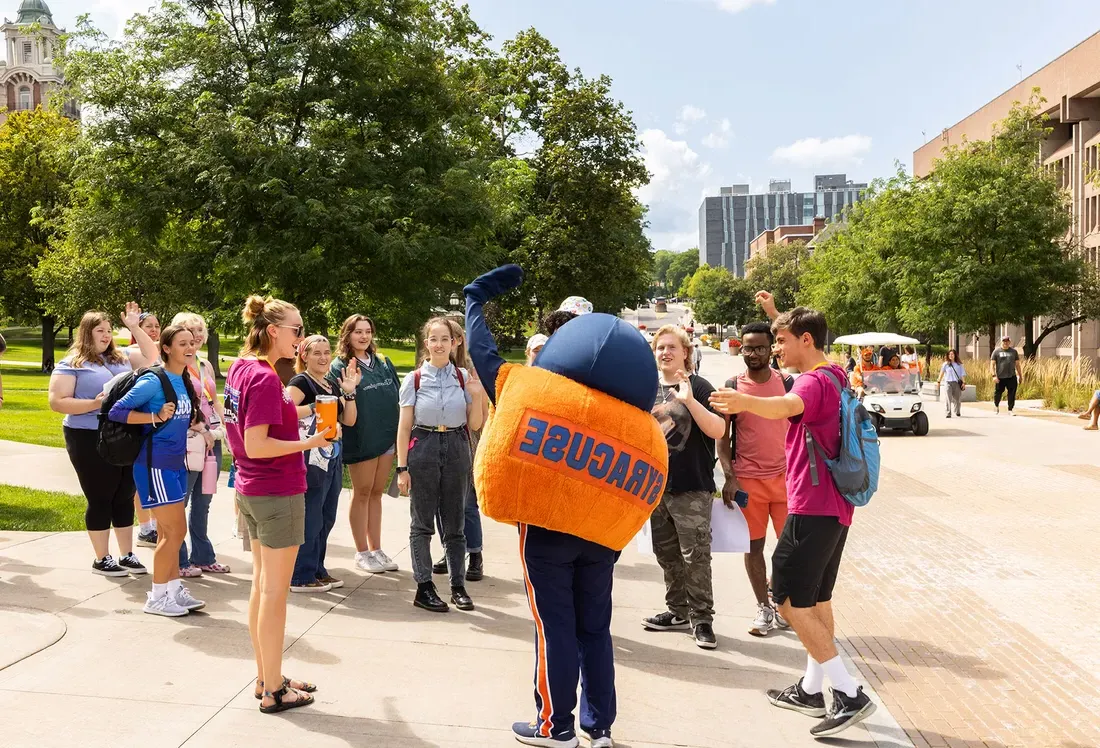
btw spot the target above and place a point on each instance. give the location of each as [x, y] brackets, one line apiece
[874, 339]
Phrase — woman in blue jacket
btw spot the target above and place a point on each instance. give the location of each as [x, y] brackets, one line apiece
[160, 471]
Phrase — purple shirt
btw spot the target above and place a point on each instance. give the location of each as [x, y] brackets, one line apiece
[254, 396]
[821, 415]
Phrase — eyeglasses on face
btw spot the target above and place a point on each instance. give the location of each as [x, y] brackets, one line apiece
[755, 350]
[299, 330]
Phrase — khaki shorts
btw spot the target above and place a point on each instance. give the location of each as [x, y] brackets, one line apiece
[275, 521]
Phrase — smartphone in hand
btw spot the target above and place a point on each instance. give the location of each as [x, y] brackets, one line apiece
[741, 498]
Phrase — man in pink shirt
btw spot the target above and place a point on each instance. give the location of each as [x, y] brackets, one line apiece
[807, 556]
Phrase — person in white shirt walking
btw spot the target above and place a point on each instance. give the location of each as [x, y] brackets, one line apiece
[953, 377]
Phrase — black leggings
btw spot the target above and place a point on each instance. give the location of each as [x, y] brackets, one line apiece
[108, 489]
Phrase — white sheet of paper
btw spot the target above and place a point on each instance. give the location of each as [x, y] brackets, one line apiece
[728, 528]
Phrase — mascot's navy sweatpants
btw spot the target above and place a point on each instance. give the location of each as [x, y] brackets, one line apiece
[568, 583]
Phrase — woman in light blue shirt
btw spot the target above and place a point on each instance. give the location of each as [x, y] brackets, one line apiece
[953, 376]
[439, 404]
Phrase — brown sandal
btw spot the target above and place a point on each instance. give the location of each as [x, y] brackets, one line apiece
[305, 687]
[304, 699]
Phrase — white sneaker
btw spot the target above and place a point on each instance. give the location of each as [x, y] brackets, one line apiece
[764, 621]
[164, 605]
[367, 561]
[185, 600]
[387, 562]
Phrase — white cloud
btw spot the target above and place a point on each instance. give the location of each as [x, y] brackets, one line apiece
[815, 152]
[688, 116]
[736, 6]
[720, 138]
[677, 183]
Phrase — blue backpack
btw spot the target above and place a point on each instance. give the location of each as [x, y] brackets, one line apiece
[855, 469]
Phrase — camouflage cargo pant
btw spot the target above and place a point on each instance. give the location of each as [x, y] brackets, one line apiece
[681, 542]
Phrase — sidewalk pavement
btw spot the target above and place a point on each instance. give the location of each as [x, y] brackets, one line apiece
[89, 663]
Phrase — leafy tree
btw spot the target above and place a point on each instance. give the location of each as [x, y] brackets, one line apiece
[681, 268]
[662, 258]
[38, 153]
[721, 298]
[331, 153]
[989, 239]
[576, 228]
[779, 271]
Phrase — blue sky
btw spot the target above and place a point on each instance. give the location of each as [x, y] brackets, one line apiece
[727, 91]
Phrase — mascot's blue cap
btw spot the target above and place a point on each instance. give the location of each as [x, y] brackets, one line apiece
[605, 353]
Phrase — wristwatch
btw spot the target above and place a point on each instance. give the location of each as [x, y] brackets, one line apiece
[400, 470]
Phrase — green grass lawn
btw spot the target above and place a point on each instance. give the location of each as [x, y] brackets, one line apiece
[40, 511]
[26, 416]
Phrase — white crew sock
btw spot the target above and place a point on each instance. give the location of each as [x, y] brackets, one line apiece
[147, 527]
[159, 590]
[174, 586]
[814, 678]
[839, 677]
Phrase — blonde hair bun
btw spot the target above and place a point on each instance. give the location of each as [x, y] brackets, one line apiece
[253, 308]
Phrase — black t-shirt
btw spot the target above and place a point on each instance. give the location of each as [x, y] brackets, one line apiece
[310, 389]
[690, 451]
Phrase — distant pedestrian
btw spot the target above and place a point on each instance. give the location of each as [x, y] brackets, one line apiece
[439, 403]
[324, 467]
[681, 521]
[1092, 413]
[1004, 364]
[262, 430]
[77, 390]
[160, 471]
[697, 355]
[953, 381]
[370, 444]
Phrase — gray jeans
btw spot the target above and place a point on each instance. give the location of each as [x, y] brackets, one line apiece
[439, 472]
[954, 397]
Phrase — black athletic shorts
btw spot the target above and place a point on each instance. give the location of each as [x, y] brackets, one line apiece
[806, 560]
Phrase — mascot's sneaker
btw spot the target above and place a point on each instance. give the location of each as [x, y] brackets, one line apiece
[528, 734]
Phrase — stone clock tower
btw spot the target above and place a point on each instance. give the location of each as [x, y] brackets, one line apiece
[27, 74]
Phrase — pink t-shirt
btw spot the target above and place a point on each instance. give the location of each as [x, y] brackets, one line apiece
[821, 414]
[255, 396]
[760, 448]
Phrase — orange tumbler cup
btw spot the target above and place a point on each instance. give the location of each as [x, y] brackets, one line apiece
[326, 415]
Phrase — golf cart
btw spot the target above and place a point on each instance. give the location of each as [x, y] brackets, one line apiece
[891, 396]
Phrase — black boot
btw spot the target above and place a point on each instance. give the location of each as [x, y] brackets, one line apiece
[461, 600]
[440, 566]
[428, 599]
[475, 571]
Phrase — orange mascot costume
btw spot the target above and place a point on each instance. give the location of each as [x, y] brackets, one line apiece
[573, 457]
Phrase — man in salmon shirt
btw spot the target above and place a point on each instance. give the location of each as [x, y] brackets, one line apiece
[754, 462]
[807, 556]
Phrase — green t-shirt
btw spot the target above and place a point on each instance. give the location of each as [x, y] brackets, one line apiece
[375, 429]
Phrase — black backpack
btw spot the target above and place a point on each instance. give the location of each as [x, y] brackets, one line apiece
[120, 443]
[788, 383]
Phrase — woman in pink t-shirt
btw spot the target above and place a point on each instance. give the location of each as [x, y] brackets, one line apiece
[262, 429]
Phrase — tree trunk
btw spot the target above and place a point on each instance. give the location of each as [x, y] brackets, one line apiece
[928, 356]
[991, 331]
[49, 339]
[213, 349]
[1029, 338]
[69, 338]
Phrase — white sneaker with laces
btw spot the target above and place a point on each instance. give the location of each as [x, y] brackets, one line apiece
[387, 562]
[764, 621]
[164, 605]
[185, 600]
[367, 561]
